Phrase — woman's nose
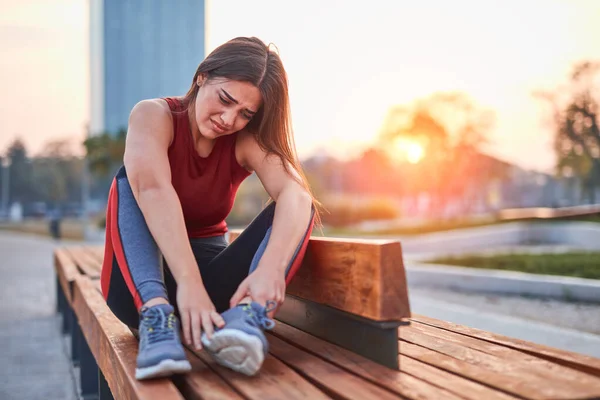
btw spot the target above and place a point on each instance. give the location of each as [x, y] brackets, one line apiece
[228, 119]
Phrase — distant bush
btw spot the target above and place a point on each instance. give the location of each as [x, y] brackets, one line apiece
[346, 211]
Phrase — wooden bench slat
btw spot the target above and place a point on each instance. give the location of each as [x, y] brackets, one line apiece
[544, 369]
[464, 369]
[461, 386]
[353, 275]
[66, 271]
[85, 262]
[485, 368]
[274, 381]
[414, 380]
[581, 362]
[202, 383]
[97, 252]
[329, 377]
[114, 347]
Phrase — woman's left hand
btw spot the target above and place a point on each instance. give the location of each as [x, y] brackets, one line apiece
[261, 285]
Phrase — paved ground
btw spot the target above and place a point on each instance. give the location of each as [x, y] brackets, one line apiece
[33, 353]
[34, 356]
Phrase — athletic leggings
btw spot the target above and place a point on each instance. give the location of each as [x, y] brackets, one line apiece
[134, 270]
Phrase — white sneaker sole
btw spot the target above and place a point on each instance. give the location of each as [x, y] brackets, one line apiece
[163, 369]
[236, 350]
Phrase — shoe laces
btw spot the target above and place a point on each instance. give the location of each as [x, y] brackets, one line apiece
[159, 326]
[260, 316]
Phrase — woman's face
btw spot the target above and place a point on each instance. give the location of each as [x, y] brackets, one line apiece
[225, 106]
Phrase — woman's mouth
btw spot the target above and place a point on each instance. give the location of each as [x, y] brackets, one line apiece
[218, 127]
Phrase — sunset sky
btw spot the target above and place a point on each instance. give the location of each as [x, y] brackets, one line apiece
[348, 63]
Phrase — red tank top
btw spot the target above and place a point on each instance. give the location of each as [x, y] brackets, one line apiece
[206, 186]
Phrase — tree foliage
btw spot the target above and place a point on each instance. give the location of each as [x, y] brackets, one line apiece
[575, 116]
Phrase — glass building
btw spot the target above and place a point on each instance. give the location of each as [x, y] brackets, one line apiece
[141, 49]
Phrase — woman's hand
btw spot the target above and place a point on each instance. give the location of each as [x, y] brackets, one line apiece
[197, 312]
[261, 285]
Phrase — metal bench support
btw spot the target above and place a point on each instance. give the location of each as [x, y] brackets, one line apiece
[375, 340]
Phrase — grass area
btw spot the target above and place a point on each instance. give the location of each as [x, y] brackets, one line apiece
[70, 228]
[577, 264]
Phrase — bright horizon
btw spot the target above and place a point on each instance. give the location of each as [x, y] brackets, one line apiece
[348, 63]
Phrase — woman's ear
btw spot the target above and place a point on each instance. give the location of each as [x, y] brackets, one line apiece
[201, 79]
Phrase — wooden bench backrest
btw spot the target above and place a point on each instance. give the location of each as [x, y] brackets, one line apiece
[362, 277]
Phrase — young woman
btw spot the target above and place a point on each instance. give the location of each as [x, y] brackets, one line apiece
[166, 257]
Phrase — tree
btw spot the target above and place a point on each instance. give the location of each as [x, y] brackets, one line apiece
[58, 173]
[451, 131]
[575, 116]
[21, 188]
[104, 153]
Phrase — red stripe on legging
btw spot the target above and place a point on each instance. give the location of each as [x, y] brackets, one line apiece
[300, 255]
[108, 250]
[118, 244]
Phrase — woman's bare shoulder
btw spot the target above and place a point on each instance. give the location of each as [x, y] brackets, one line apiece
[157, 108]
[151, 118]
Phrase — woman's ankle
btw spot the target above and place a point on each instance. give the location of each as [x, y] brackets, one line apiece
[155, 301]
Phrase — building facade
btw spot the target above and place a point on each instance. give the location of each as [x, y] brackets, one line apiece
[141, 49]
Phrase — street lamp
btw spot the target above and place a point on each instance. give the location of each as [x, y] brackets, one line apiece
[6, 161]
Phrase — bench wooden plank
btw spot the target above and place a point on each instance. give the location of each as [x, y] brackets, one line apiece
[114, 347]
[96, 251]
[542, 368]
[66, 271]
[580, 362]
[274, 381]
[479, 366]
[353, 275]
[331, 378]
[202, 383]
[87, 264]
[415, 380]
[464, 387]
[466, 370]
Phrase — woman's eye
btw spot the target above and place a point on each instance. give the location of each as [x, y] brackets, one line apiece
[248, 117]
[223, 100]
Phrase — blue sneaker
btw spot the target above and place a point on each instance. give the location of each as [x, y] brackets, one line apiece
[241, 344]
[161, 352]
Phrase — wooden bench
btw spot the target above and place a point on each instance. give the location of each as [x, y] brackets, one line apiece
[345, 331]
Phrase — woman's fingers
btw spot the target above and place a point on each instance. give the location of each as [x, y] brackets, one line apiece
[196, 330]
[185, 326]
[207, 323]
[217, 319]
[239, 294]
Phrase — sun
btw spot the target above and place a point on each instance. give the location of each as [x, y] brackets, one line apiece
[409, 150]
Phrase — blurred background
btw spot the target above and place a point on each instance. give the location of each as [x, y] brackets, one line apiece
[408, 116]
[468, 130]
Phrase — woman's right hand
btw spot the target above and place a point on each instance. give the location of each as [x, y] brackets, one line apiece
[197, 312]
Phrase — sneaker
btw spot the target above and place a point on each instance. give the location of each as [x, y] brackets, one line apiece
[241, 344]
[161, 352]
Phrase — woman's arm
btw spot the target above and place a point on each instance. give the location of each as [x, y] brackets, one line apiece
[292, 216]
[148, 137]
[149, 174]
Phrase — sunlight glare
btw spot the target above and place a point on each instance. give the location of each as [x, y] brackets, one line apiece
[409, 150]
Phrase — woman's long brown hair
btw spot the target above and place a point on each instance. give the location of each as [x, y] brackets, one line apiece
[248, 59]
